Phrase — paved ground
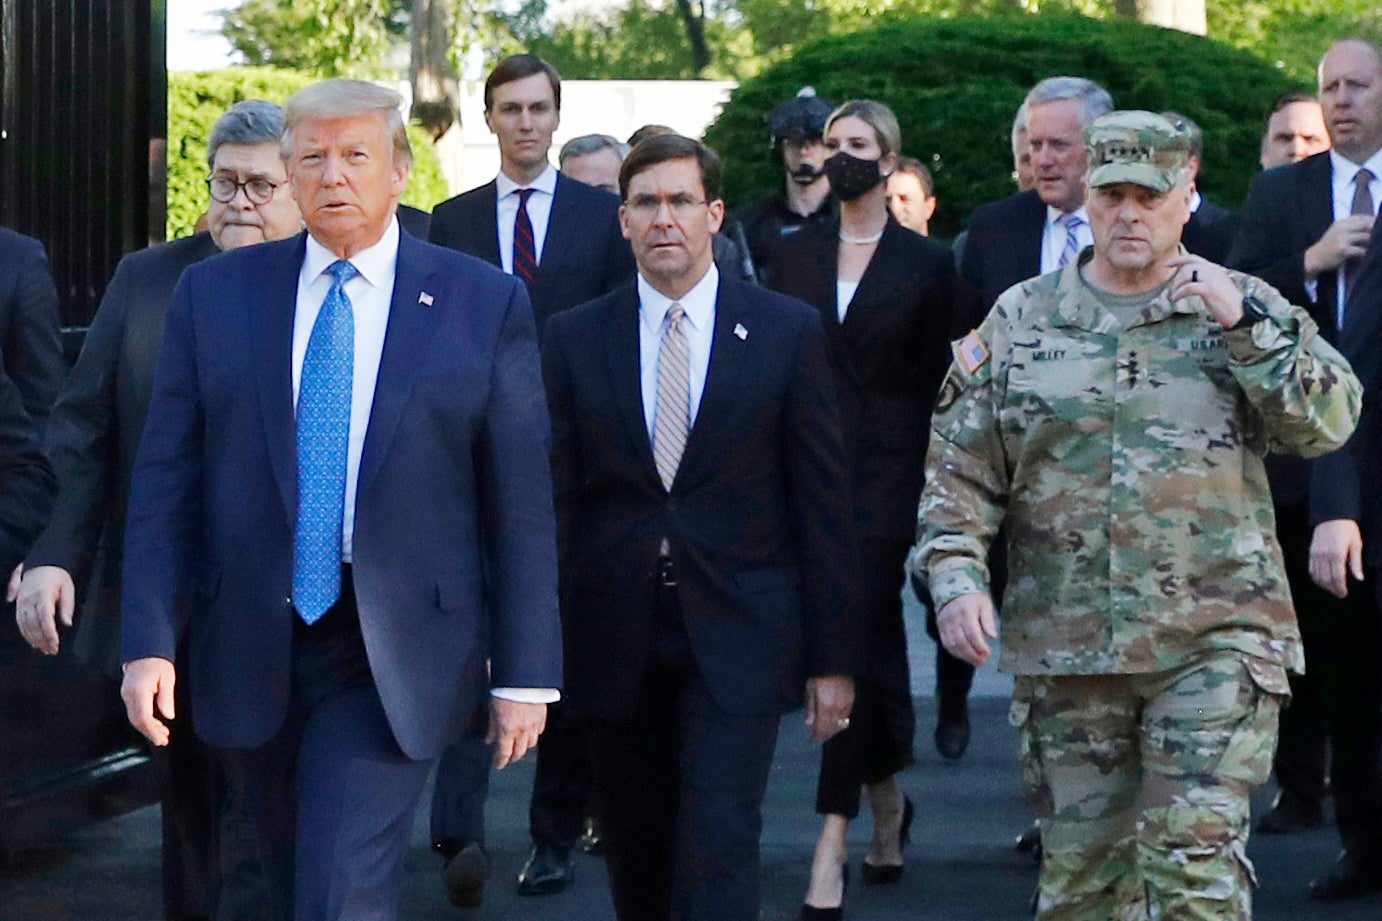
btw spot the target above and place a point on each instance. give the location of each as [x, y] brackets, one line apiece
[961, 865]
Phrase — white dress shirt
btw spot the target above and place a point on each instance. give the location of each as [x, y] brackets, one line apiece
[370, 293]
[1054, 234]
[539, 210]
[844, 296]
[699, 323]
[1342, 171]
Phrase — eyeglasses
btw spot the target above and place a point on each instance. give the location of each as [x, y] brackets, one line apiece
[647, 206]
[258, 190]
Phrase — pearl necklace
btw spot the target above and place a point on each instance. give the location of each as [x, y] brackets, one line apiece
[860, 241]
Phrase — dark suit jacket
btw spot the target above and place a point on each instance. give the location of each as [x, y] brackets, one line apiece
[30, 375]
[1287, 210]
[453, 475]
[1209, 232]
[756, 518]
[416, 221]
[889, 356]
[29, 338]
[1003, 246]
[584, 254]
[1348, 482]
[93, 435]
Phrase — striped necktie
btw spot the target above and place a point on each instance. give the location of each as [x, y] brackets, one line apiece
[1071, 222]
[323, 443]
[524, 247]
[672, 415]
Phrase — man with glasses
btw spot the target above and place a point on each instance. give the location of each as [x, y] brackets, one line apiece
[93, 434]
[701, 494]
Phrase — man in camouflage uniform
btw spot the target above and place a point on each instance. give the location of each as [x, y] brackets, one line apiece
[1113, 416]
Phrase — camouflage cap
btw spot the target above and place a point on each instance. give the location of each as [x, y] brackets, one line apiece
[1138, 147]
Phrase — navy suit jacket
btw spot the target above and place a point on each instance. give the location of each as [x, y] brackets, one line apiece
[93, 435]
[454, 540]
[757, 517]
[1004, 246]
[584, 254]
[1348, 482]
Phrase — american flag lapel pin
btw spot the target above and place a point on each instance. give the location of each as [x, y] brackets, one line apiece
[740, 331]
[425, 299]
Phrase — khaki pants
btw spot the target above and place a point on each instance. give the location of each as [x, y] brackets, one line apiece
[1142, 785]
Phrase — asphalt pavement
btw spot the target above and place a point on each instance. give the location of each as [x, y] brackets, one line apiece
[961, 864]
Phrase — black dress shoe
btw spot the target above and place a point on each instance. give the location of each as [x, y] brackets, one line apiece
[1354, 874]
[547, 872]
[952, 736]
[887, 874]
[812, 913]
[464, 875]
[1291, 813]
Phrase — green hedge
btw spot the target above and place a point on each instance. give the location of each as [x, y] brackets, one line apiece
[196, 100]
[956, 83]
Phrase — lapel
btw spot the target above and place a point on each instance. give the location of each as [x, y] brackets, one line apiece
[1316, 208]
[272, 308]
[877, 273]
[407, 341]
[728, 357]
[563, 224]
[621, 344]
[484, 223]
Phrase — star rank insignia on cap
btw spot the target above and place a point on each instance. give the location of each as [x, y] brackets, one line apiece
[972, 352]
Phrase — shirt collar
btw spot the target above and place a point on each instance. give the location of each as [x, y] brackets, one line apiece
[1195, 201]
[1054, 214]
[1345, 169]
[545, 182]
[374, 263]
[699, 302]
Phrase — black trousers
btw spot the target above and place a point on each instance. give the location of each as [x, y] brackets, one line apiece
[1352, 695]
[1302, 749]
[681, 786]
[878, 742]
[561, 781]
[190, 781]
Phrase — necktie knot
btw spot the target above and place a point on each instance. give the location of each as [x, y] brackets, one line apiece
[1071, 221]
[342, 271]
[675, 313]
[1363, 177]
[523, 196]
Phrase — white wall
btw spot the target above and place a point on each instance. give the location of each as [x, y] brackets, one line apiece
[614, 107]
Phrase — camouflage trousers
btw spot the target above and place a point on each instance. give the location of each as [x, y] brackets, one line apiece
[1142, 784]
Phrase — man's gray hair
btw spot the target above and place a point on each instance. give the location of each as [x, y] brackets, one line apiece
[1094, 100]
[341, 98]
[587, 144]
[249, 121]
[1019, 129]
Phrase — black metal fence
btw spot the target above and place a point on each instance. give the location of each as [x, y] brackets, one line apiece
[83, 95]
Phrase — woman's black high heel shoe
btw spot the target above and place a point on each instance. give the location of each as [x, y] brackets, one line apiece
[887, 874]
[812, 913]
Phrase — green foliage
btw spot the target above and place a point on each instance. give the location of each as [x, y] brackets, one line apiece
[196, 100]
[329, 38]
[1293, 34]
[956, 83]
[640, 41]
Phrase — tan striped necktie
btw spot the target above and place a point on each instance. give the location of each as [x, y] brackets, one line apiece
[671, 416]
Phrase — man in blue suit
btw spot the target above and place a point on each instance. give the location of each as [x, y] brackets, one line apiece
[703, 503]
[562, 238]
[344, 469]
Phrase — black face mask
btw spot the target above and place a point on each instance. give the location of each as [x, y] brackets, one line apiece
[851, 177]
[806, 174]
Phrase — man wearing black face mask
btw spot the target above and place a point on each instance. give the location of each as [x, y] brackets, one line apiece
[796, 127]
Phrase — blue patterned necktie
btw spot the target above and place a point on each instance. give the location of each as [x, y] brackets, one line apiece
[323, 442]
[1071, 222]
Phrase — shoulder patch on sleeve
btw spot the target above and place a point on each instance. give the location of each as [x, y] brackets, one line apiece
[971, 352]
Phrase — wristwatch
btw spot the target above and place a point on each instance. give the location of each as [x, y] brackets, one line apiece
[1253, 310]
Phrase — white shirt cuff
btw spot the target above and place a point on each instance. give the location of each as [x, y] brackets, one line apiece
[527, 695]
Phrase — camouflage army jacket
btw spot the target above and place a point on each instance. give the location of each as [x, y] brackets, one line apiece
[1126, 466]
